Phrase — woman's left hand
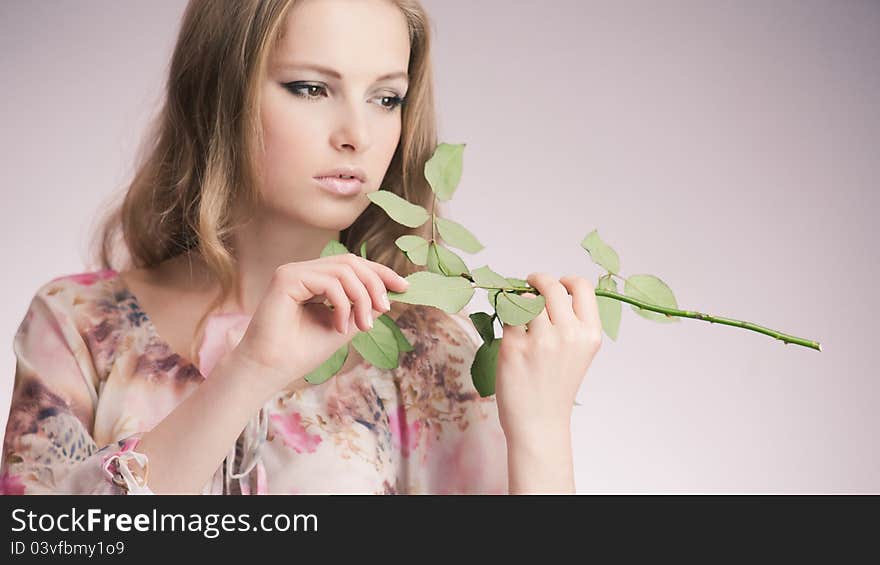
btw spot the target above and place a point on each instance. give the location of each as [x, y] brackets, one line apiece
[539, 371]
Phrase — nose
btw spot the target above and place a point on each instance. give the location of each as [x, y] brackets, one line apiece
[352, 131]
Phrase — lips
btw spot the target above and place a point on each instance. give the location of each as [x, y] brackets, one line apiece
[337, 185]
[344, 171]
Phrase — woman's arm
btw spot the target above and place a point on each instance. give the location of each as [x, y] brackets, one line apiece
[186, 447]
[542, 464]
[49, 446]
[540, 367]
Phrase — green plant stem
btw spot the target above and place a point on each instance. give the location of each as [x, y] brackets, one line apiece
[433, 223]
[785, 338]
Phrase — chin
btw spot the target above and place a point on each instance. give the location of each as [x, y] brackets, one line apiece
[335, 216]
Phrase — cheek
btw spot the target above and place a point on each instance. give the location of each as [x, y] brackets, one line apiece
[288, 140]
[390, 135]
[284, 135]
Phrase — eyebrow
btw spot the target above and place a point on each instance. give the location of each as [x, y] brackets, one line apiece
[335, 74]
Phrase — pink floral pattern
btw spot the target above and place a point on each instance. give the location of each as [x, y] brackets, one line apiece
[405, 436]
[92, 375]
[222, 333]
[10, 484]
[87, 279]
[293, 433]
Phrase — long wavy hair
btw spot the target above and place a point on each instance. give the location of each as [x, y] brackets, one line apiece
[196, 174]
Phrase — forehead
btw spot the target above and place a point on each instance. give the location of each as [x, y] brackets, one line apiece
[357, 37]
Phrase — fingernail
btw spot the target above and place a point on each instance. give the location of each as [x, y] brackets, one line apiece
[386, 302]
[370, 321]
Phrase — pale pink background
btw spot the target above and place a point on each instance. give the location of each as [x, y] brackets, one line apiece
[730, 148]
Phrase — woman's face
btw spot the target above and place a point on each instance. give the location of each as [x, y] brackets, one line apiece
[313, 121]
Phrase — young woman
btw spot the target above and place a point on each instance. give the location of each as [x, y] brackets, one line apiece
[183, 372]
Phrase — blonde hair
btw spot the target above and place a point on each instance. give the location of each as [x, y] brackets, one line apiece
[194, 185]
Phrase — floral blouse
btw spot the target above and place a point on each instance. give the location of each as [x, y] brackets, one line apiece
[92, 375]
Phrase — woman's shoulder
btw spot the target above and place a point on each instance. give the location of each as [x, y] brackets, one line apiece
[89, 310]
[72, 294]
[85, 279]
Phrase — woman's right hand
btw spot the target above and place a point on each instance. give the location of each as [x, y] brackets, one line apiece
[292, 331]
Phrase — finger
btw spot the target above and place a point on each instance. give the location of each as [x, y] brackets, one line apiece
[557, 302]
[318, 284]
[390, 279]
[512, 333]
[388, 275]
[539, 323]
[371, 281]
[356, 291]
[583, 298]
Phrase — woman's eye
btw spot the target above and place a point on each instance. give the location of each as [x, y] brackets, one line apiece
[299, 89]
[305, 91]
[395, 102]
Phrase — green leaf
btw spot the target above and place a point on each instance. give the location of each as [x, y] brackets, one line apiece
[415, 247]
[518, 282]
[483, 367]
[333, 247]
[493, 297]
[329, 367]
[516, 310]
[483, 324]
[449, 294]
[652, 290]
[451, 264]
[364, 249]
[444, 262]
[433, 260]
[484, 276]
[403, 344]
[609, 308]
[399, 209]
[378, 346]
[457, 235]
[443, 169]
[601, 253]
